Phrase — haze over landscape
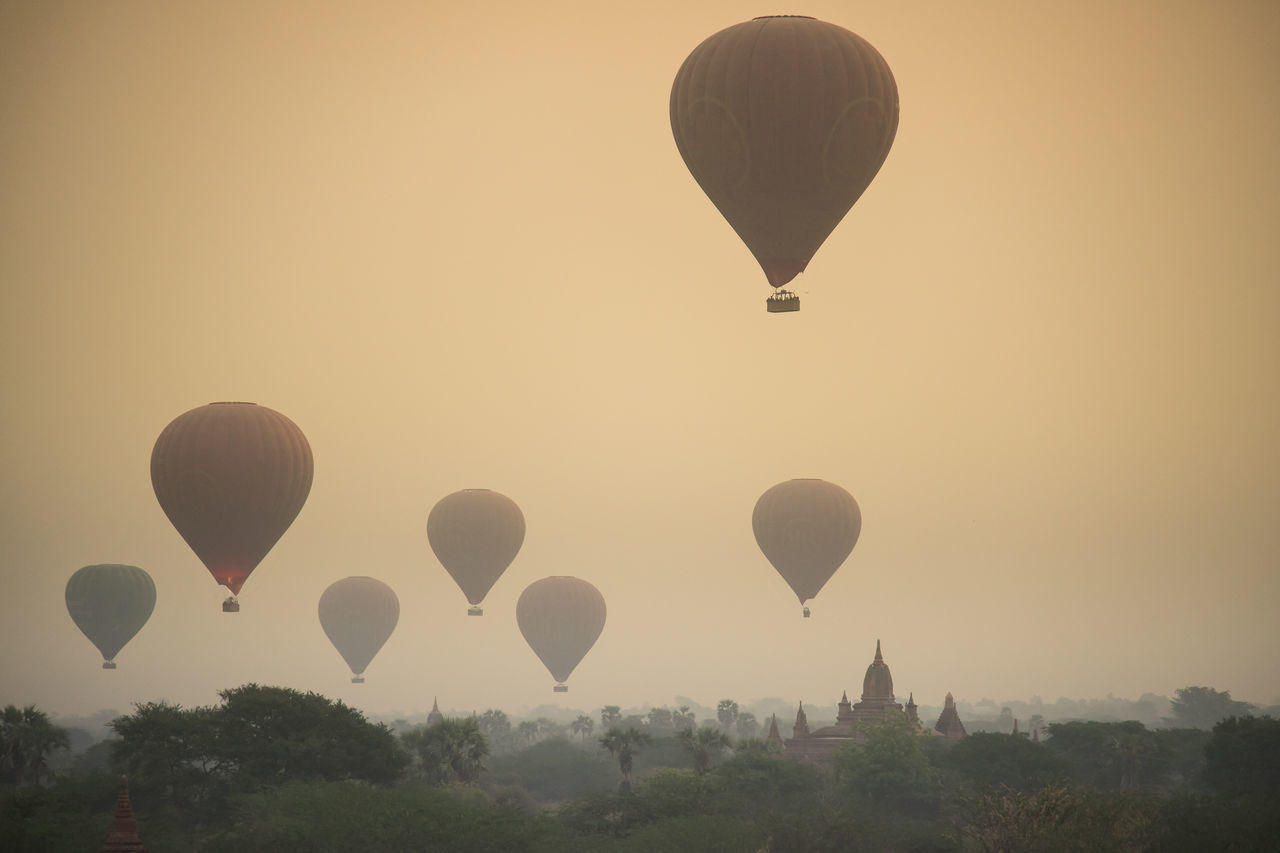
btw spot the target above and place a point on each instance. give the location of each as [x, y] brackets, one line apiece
[457, 246]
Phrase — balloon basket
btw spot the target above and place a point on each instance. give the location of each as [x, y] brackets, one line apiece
[806, 613]
[475, 611]
[108, 664]
[357, 679]
[560, 688]
[231, 605]
[782, 300]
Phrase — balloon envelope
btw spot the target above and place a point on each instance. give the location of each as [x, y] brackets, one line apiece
[358, 615]
[560, 618]
[475, 534]
[784, 121]
[110, 603]
[231, 477]
[806, 528]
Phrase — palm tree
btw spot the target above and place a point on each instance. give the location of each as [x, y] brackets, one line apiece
[583, 726]
[26, 739]
[703, 743]
[610, 715]
[449, 751]
[625, 744]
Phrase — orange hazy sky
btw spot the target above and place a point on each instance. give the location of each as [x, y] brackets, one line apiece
[456, 244]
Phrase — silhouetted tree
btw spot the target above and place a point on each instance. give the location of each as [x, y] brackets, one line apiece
[583, 726]
[1204, 707]
[624, 744]
[610, 715]
[703, 744]
[1243, 756]
[746, 725]
[451, 751]
[727, 713]
[27, 739]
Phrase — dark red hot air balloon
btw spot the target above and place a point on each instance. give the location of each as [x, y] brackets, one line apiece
[231, 477]
[784, 121]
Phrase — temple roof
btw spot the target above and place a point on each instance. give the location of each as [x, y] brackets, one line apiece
[435, 716]
[878, 683]
[949, 720]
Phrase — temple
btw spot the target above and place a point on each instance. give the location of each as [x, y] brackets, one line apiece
[877, 705]
[123, 835]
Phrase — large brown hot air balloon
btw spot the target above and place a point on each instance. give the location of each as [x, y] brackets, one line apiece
[110, 603]
[231, 477]
[784, 121]
[475, 534]
[560, 618]
[806, 528]
[358, 615]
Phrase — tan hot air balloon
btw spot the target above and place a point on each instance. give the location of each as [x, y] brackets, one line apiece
[784, 121]
[231, 477]
[806, 528]
[475, 534]
[358, 615]
[561, 618]
[110, 603]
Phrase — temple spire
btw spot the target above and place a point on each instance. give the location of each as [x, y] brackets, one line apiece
[879, 657]
[123, 836]
[774, 735]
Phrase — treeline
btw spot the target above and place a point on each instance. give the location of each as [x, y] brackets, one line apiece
[272, 769]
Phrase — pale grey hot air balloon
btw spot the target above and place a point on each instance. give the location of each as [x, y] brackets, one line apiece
[110, 603]
[475, 534]
[561, 618]
[806, 528]
[358, 615]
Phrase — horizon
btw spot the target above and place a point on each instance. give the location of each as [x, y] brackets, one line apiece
[459, 248]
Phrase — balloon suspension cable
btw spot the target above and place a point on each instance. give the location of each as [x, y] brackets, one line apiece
[782, 300]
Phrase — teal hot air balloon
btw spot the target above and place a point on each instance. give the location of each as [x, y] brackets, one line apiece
[110, 603]
[358, 615]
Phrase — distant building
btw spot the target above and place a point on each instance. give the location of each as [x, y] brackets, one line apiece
[435, 716]
[878, 704]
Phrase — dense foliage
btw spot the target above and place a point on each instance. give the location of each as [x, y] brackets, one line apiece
[274, 769]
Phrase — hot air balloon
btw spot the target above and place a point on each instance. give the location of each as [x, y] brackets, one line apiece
[231, 477]
[784, 121]
[358, 615]
[475, 534]
[110, 603]
[560, 618]
[806, 528]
